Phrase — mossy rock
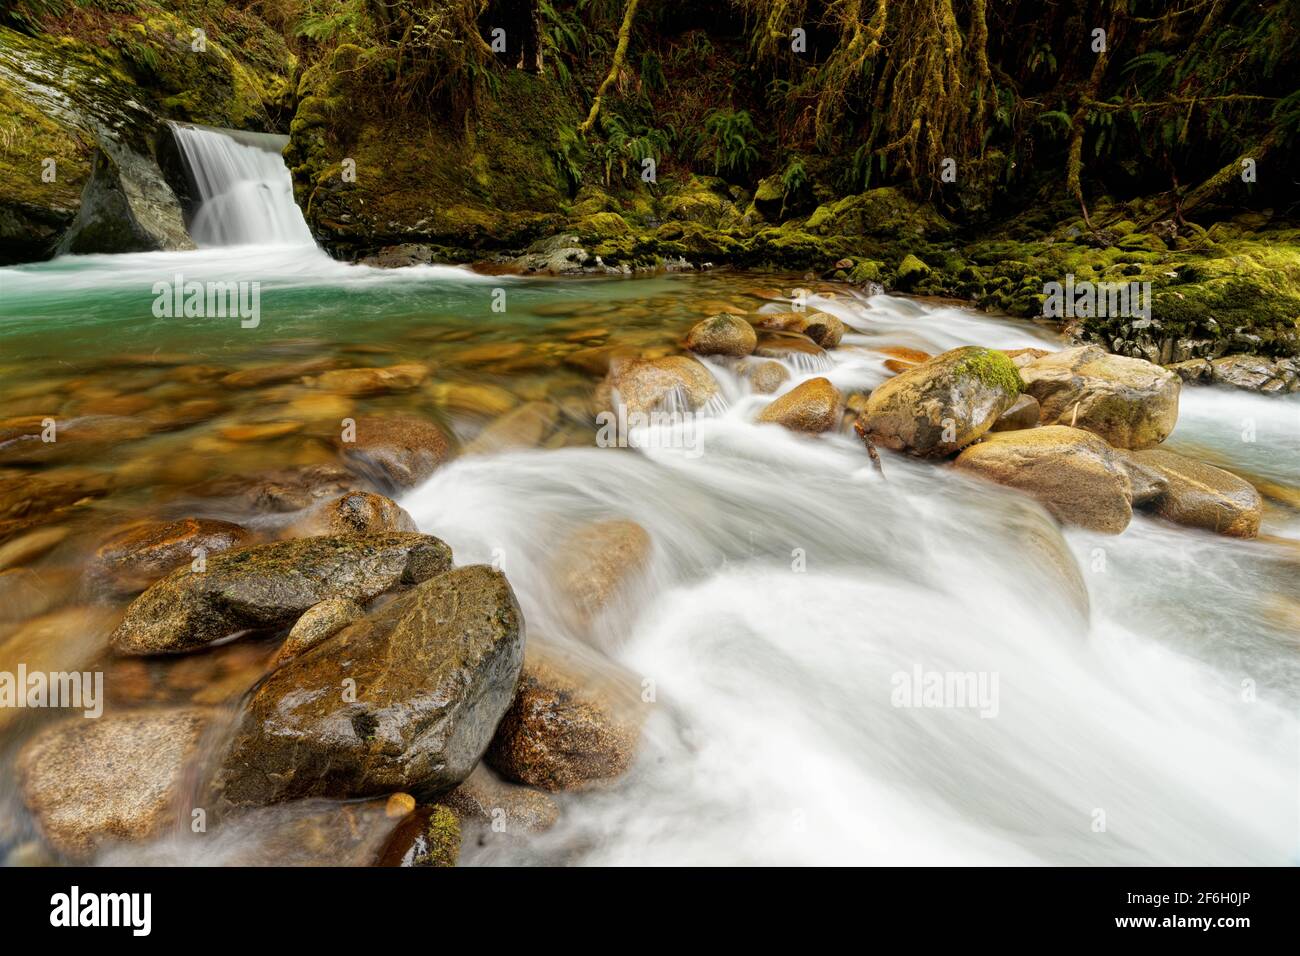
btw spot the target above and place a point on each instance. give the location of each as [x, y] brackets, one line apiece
[910, 272]
[883, 212]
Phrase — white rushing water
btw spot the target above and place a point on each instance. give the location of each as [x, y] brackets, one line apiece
[244, 188]
[791, 586]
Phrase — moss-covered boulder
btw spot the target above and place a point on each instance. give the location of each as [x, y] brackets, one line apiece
[885, 212]
[940, 406]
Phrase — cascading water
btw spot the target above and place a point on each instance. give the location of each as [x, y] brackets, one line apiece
[245, 193]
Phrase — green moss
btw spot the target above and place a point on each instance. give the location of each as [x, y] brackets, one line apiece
[443, 831]
[991, 367]
[910, 272]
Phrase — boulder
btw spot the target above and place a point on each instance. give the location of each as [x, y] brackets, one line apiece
[766, 377]
[282, 490]
[793, 347]
[373, 381]
[822, 327]
[1072, 472]
[813, 406]
[644, 385]
[359, 512]
[405, 699]
[271, 585]
[1198, 494]
[318, 622]
[568, 726]
[396, 451]
[722, 334]
[91, 783]
[940, 406]
[1129, 402]
[134, 557]
[1256, 374]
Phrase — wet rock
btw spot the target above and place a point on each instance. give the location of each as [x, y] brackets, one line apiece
[23, 441]
[943, 404]
[428, 677]
[1129, 402]
[901, 359]
[1022, 357]
[1147, 483]
[429, 837]
[358, 512]
[92, 783]
[1023, 413]
[722, 334]
[396, 451]
[647, 384]
[766, 377]
[1195, 371]
[258, 431]
[1072, 472]
[68, 639]
[1200, 495]
[262, 375]
[490, 400]
[272, 584]
[485, 799]
[30, 546]
[793, 347]
[26, 499]
[318, 622]
[525, 427]
[567, 727]
[126, 207]
[1257, 374]
[597, 561]
[373, 381]
[821, 327]
[136, 556]
[283, 490]
[813, 406]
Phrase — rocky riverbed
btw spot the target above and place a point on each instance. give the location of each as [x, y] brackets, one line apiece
[369, 588]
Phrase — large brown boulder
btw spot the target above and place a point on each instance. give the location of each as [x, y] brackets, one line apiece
[1127, 401]
[822, 327]
[1073, 473]
[942, 405]
[813, 406]
[644, 385]
[406, 699]
[134, 557]
[722, 334]
[271, 585]
[1193, 493]
[569, 725]
[395, 451]
[92, 783]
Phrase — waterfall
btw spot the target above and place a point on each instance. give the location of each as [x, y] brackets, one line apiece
[242, 187]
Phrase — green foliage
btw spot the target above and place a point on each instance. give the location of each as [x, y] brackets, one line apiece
[730, 135]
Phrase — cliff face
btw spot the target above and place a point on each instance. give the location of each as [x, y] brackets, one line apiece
[88, 93]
